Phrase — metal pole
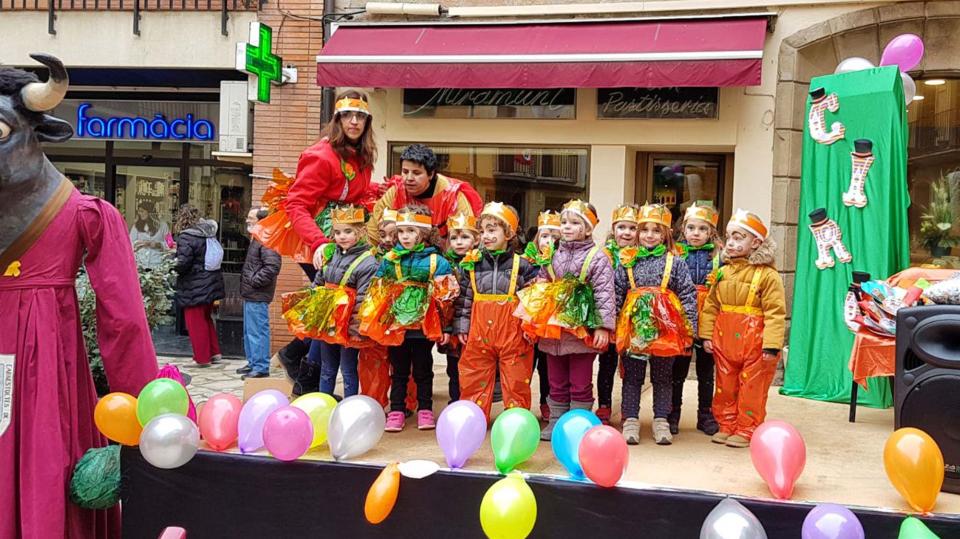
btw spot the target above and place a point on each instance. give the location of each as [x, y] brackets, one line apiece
[327, 95]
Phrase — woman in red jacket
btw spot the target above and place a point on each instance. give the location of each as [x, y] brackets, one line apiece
[335, 170]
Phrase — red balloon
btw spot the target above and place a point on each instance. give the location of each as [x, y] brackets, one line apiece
[604, 455]
[218, 421]
[779, 455]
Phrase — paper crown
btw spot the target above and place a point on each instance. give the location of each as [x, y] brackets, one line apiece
[548, 219]
[503, 212]
[347, 215]
[704, 213]
[352, 104]
[655, 213]
[389, 216]
[462, 221]
[581, 208]
[749, 222]
[414, 219]
[626, 213]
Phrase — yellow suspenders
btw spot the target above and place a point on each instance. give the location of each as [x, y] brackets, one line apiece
[353, 265]
[748, 307]
[668, 266]
[511, 293]
[433, 267]
[583, 269]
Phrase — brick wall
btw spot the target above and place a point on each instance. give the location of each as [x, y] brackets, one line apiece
[291, 122]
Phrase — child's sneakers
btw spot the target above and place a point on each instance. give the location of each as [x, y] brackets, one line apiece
[631, 430]
[738, 441]
[706, 422]
[661, 431]
[395, 421]
[425, 420]
[603, 412]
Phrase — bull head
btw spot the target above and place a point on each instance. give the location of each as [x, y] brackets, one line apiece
[44, 96]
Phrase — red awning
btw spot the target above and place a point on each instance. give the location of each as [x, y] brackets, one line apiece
[693, 52]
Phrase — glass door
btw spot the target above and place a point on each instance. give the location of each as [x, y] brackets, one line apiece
[679, 180]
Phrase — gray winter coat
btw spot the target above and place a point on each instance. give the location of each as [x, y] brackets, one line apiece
[258, 280]
[493, 277]
[649, 272]
[335, 268]
[569, 258]
[195, 285]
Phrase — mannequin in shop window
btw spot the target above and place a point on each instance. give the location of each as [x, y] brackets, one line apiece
[149, 237]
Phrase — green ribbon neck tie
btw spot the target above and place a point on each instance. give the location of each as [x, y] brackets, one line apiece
[659, 250]
[532, 252]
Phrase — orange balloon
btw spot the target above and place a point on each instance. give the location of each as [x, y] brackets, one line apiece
[382, 495]
[116, 417]
[914, 464]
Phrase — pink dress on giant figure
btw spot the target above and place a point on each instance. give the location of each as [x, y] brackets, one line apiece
[46, 414]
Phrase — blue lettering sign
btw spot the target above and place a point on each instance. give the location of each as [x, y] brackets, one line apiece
[158, 128]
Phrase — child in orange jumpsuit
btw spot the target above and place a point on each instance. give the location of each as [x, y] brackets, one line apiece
[743, 326]
[490, 334]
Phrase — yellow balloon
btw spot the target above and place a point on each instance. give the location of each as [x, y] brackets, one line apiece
[508, 509]
[318, 406]
[914, 464]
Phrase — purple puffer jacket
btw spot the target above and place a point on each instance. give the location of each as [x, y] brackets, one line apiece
[569, 259]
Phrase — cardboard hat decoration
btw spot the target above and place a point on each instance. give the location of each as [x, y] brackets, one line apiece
[548, 220]
[702, 212]
[414, 219]
[503, 212]
[581, 209]
[626, 213]
[389, 216]
[347, 215]
[463, 221]
[750, 222]
[655, 213]
[348, 104]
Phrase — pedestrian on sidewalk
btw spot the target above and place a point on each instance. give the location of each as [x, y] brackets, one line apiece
[258, 282]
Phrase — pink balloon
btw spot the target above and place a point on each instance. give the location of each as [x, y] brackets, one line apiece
[219, 419]
[287, 433]
[779, 454]
[604, 455]
[904, 51]
[254, 414]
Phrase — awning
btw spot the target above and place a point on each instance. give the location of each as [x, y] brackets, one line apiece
[659, 53]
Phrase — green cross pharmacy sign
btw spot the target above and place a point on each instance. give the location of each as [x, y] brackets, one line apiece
[257, 60]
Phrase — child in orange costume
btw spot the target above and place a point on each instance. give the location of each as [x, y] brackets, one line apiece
[490, 334]
[743, 325]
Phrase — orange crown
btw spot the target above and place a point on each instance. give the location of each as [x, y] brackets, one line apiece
[389, 216]
[626, 213]
[350, 103]
[655, 213]
[581, 208]
[503, 212]
[414, 219]
[463, 221]
[347, 215]
[548, 219]
[750, 222]
[704, 213]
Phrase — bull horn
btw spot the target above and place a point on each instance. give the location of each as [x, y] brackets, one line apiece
[44, 96]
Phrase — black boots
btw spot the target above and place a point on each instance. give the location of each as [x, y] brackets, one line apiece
[706, 422]
[307, 379]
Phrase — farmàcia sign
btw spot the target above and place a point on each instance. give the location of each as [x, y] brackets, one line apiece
[89, 124]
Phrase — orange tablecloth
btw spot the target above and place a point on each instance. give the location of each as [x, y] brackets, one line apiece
[872, 355]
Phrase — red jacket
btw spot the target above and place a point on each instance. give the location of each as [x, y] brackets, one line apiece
[321, 179]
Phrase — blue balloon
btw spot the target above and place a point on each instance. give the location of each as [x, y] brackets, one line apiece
[566, 438]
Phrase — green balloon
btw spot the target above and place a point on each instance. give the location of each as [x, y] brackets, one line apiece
[161, 396]
[515, 438]
[914, 528]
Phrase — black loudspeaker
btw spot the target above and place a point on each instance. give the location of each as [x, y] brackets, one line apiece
[927, 383]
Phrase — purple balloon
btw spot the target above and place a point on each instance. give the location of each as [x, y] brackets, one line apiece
[904, 51]
[254, 414]
[831, 521]
[287, 433]
[461, 429]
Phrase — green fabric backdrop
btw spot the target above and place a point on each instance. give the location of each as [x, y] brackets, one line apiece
[871, 107]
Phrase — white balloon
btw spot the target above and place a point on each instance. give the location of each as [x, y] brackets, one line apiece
[909, 88]
[356, 425]
[169, 441]
[731, 520]
[854, 63]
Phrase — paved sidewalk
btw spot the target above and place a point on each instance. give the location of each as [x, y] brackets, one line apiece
[205, 382]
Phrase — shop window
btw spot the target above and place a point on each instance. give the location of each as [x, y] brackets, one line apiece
[88, 178]
[933, 173]
[679, 180]
[530, 179]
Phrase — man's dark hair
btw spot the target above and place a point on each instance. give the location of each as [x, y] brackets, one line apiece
[261, 213]
[422, 155]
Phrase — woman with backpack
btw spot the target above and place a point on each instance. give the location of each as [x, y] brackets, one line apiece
[199, 281]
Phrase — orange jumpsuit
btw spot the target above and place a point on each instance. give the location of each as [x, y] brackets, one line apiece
[496, 338]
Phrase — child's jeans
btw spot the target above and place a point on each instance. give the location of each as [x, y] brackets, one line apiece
[333, 358]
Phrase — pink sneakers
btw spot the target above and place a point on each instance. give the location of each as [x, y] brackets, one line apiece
[395, 421]
[425, 420]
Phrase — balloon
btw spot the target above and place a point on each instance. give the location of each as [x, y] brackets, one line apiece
[854, 63]
[508, 509]
[566, 437]
[514, 437]
[461, 429]
[604, 455]
[914, 465]
[161, 396]
[173, 372]
[909, 88]
[914, 528]
[903, 51]
[318, 406]
[779, 454]
[287, 433]
[731, 520]
[116, 417]
[831, 521]
[382, 495]
[218, 420]
[169, 440]
[355, 427]
[253, 415]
